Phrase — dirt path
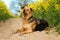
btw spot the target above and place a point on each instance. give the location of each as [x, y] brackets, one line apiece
[13, 24]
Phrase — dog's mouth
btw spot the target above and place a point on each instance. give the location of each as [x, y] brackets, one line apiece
[24, 13]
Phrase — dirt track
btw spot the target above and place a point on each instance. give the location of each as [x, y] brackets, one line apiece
[13, 24]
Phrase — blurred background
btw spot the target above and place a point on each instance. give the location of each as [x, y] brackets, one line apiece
[47, 9]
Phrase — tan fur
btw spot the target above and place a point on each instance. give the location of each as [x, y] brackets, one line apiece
[27, 27]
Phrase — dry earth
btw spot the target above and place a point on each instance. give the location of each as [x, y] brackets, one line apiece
[11, 25]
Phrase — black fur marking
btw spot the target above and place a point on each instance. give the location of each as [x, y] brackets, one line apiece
[40, 24]
[43, 24]
[31, 19]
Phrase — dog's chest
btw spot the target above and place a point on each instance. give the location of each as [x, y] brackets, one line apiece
[31, 19]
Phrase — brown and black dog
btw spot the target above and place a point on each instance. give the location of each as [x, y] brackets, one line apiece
[30, 23]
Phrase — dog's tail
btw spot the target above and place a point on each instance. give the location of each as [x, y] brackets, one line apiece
[41, 25]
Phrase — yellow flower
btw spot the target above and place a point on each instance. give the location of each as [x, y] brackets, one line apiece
[57, 7]
[38, 8]
[1, 8]
[33, 6]
[45, 5]
[4, 11]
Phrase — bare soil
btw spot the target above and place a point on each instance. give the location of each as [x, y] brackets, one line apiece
[11, 25]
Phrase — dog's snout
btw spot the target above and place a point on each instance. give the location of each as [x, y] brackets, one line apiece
[23, 11]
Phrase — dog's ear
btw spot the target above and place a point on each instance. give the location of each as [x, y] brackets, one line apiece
[31, 9]
[22, 7]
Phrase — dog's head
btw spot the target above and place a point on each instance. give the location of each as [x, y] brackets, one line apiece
[27, 10]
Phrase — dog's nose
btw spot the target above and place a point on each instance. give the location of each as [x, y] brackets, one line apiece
[24, 13]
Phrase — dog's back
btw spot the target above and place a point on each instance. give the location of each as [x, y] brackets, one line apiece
[41, 25]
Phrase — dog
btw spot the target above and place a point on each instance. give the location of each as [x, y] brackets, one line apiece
[30, 23]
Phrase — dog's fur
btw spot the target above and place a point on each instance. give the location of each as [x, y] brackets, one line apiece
[30, 23]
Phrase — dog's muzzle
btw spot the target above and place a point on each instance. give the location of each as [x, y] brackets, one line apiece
[24, 13]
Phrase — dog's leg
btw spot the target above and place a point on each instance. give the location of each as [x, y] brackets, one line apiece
[29, 30]
[18, 31]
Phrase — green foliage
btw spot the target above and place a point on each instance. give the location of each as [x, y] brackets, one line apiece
[58, 28]
[4, 12]
[49, 10]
